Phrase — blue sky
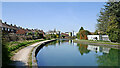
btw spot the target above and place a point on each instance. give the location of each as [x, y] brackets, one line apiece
[64, 16]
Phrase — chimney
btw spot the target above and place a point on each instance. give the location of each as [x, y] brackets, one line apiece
[11, 24]
[0, 23]
[5, 22]
[14, 25]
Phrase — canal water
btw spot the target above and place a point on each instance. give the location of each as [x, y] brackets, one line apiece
[68, 53]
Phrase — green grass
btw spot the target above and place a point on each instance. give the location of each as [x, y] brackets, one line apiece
[10, 48]
[98, 41]
[30, 57]
[14, 47]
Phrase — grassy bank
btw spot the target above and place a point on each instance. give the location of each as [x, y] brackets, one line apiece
[14, 47]
[99, 42]
[10, 48]
[30, 57]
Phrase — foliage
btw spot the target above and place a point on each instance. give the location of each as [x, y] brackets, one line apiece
[5, 53]
[109, 21]
[110, 59]
[29, 33]
[63, 36]
[25, 43]
[81, 29]
[50, 36]
[9, 47]
[78, 34]
[96, 32]
[84, 33]
[83, 48]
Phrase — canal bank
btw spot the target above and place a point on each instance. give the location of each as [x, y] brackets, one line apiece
[99, 43]
[36, 50]
[21, 58]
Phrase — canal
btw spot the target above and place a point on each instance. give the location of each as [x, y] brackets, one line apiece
[68, 53]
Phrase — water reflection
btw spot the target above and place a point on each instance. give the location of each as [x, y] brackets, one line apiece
[83, 48]
[77, 54]
[108, 59]
[98, 49]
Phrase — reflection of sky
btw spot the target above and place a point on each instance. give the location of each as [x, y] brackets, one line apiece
[66, 54]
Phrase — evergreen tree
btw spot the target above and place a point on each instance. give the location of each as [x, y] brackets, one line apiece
[81, 29]
[109, 21]
[78, 34]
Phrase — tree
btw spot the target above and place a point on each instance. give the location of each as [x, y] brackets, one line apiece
[81, 29]
[96, 32]
[109, 21]
[83, 34]
[109, 59]
[78, 34]
[29, 33]
[83, 48]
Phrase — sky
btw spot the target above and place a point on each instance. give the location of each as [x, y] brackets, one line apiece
[63, 16]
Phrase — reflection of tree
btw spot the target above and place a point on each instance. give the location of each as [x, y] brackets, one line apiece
[62, 41]
[83, 48]
[51, 43]
[110, 59]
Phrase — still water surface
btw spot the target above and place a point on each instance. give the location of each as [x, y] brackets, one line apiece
[68, 53]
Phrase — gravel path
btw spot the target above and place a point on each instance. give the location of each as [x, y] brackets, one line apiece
[21, 57]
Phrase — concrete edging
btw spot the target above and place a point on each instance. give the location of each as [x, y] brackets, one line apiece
[36, 50]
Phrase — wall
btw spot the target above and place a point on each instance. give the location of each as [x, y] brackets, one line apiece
[91, 37]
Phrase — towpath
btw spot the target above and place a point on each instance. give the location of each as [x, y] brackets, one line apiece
[22, 56]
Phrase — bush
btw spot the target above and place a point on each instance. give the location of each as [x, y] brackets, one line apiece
[12, 48]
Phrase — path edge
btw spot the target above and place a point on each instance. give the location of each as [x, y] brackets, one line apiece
[36, 50]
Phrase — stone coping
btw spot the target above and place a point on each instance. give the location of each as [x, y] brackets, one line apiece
[36, 50]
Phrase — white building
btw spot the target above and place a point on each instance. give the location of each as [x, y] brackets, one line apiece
[93, 37]
[93, 48]
[105, 37]
[98, 49]
[105, 50]
[98, 37]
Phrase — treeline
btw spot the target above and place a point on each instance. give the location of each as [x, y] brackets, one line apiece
[109, 21]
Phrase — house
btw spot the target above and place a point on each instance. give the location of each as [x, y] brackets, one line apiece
[105, 37]
[64, 35]
[98, 37]
[21, 32]
[93, 37]
[53, 32]
[69, 33]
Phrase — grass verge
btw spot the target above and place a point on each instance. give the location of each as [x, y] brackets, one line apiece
[30, 57]
[97, 42]
[10, 48]
[20, 44]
